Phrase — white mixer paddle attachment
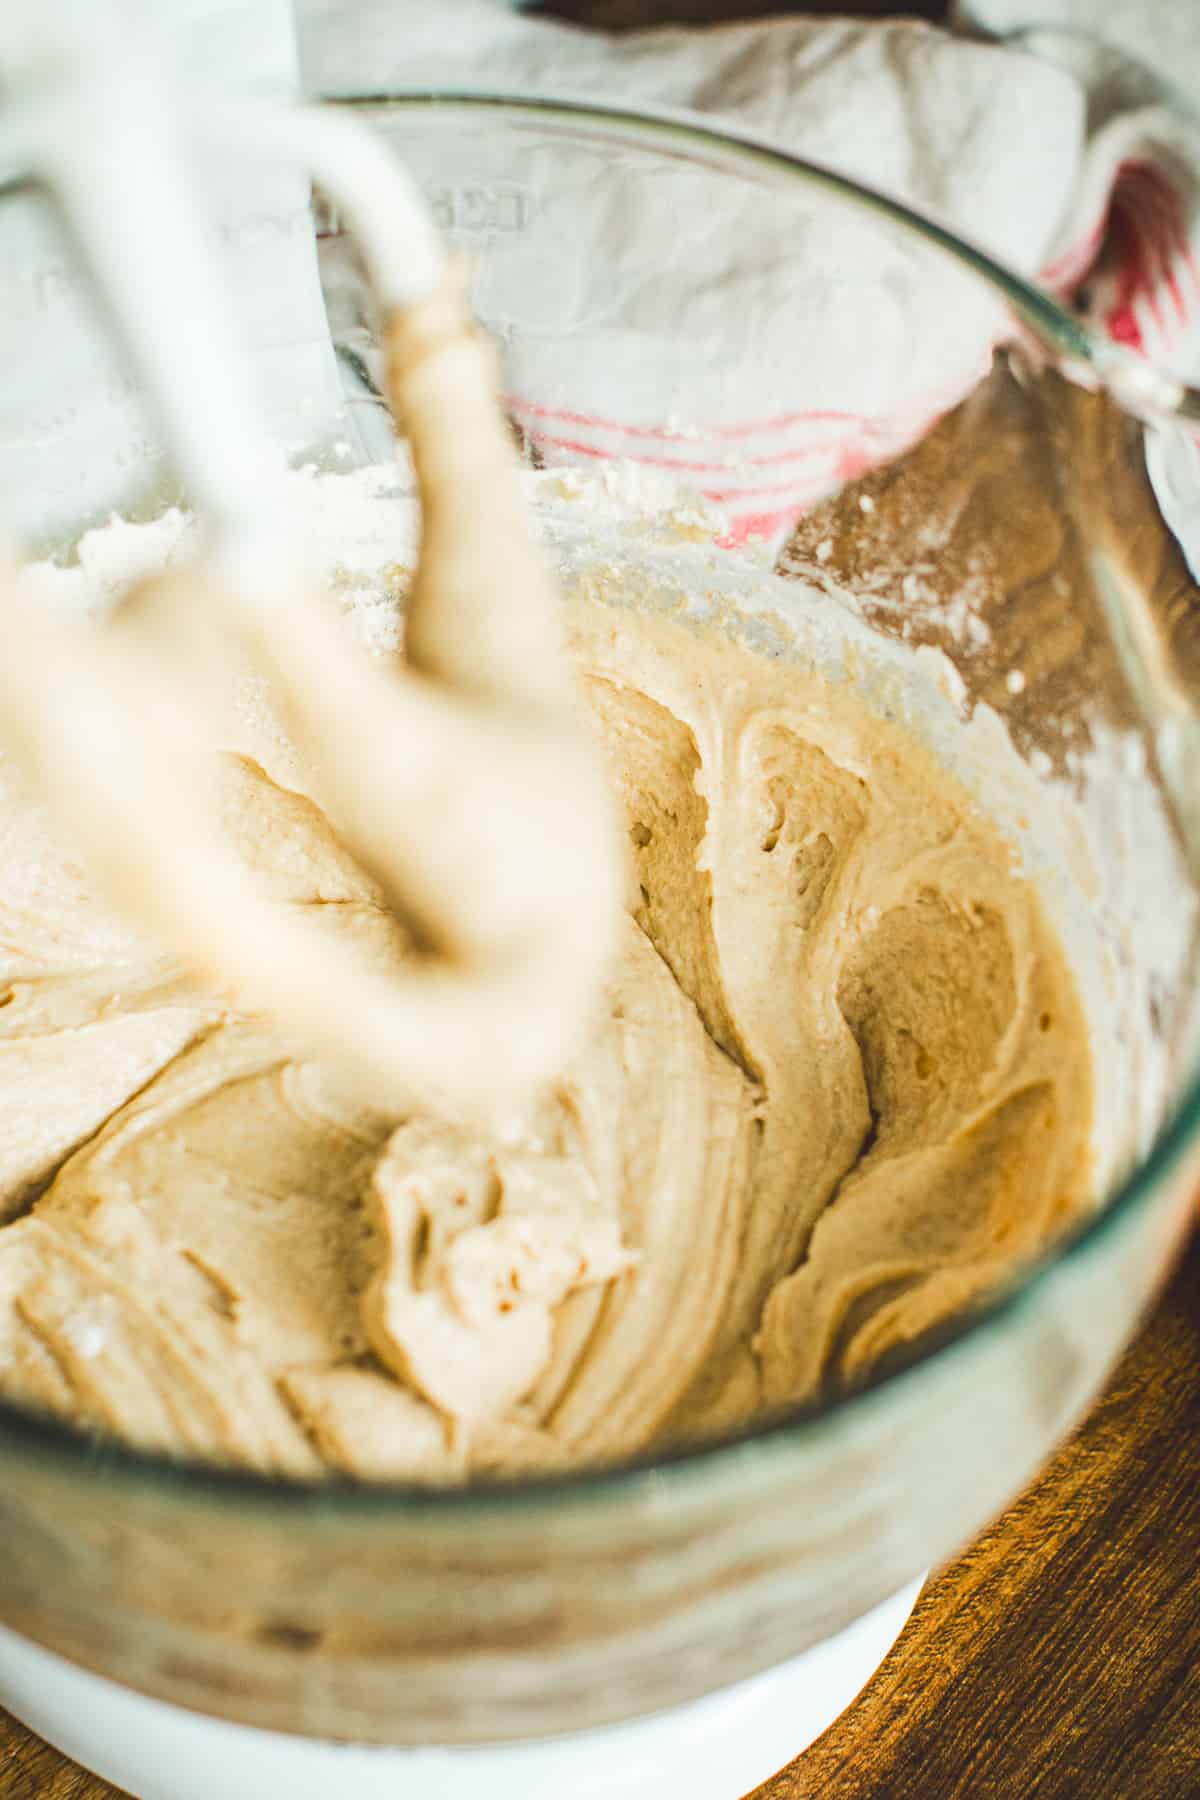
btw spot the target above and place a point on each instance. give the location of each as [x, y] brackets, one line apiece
[463, 781]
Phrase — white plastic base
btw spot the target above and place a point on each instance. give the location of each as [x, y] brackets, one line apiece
[716, 1749]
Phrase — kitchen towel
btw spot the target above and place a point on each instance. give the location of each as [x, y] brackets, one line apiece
[77, 440]
[808, 344]
[1131, 255]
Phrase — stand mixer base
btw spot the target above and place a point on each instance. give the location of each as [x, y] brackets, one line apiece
[717, 1748]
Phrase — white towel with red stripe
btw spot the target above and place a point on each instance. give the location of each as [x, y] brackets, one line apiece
[1130, 247]
[1054, 154]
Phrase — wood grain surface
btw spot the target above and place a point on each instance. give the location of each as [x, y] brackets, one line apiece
[633, 15]
[1057, 1659]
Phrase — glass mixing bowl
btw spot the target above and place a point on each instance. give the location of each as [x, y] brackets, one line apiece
[538, 1606]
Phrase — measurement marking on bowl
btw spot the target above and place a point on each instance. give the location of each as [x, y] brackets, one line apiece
[495, 210]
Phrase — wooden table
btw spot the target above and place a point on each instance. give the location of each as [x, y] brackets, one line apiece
[1057, 1659]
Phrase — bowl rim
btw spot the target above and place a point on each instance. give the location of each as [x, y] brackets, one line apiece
[773, 1439]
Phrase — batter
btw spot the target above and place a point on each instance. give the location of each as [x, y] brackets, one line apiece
[839, 1085]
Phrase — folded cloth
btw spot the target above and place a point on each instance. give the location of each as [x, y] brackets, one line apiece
[1129, 250]
[750, 373]
[76, 440]
[761, 349]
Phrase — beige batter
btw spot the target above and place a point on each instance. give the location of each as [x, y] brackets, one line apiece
[840, 1083]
